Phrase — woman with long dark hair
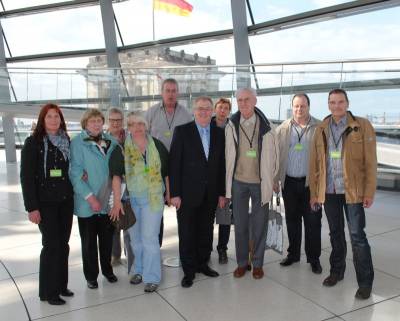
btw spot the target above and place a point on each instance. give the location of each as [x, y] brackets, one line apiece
[48, 198]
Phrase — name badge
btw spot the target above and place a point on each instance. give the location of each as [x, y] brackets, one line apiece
[251, 153]
[298, 147]
[167, 133]
[146, 169]
[336, 154]
[55, 173]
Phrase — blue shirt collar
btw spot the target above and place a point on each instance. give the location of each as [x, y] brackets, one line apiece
[200, 128]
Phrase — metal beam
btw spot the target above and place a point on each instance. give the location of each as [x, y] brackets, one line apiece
[8, 120]
[110, 39]
[241, 42]
[47, 8]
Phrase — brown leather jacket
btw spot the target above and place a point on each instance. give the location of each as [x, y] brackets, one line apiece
[358, 156]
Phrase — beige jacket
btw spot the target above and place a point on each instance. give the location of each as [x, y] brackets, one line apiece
[283, 136]
[358, 156]
[268, 154]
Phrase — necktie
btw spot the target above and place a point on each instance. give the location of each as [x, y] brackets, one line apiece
[204, 140]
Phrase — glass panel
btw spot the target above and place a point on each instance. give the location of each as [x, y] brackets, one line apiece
[41, 81]
[264, 10]
[73, 29]
[18, 4]
[363, 36]
[167, 25]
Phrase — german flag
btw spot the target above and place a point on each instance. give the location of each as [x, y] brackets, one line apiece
[178, 7]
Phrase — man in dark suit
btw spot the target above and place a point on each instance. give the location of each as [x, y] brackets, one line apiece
[197, 186]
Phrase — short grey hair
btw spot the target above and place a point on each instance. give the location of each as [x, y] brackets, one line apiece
[115, 110]
[202, 98]
[248, 89]
[136, 117]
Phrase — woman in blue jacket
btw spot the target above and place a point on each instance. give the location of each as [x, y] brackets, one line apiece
[89, 174]
[47, 194]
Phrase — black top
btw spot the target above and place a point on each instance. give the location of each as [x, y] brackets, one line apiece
[117, 161]
[36, 186]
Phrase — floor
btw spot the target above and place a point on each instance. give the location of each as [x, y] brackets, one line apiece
[291, 293]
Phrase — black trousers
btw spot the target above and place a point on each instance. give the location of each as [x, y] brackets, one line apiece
[224, 231]
[92, 228]
[195, 231]
[296, 197]
[55, 226]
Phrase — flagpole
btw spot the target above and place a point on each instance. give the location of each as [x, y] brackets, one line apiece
[154, 34]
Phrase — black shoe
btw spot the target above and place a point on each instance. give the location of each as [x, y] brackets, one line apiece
[222, 257]
[363, 293]
[56, 301]
[92, 284]
[288, 261]
[111, 278]
[67, 292]
[332, 279]
[187, 282]
[206, 270]
[316, 267]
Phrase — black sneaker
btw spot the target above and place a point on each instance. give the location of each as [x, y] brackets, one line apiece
[363, 293]
[316, 267]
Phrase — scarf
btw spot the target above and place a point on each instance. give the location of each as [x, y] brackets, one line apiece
[144, 178]
[98, 140]
[60, 141]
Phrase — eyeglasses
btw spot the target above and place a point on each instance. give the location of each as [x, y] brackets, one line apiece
[116, 120]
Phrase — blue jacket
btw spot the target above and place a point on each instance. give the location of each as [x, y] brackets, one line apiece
[86, 157]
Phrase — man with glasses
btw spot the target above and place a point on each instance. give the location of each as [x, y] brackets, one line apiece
[252, 159]
[163, 117]
[197, 186]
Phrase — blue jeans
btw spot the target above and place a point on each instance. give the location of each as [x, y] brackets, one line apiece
[355, 215]
[144, 241]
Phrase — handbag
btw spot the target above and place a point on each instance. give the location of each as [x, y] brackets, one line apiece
[274, 239]
[223, 216]
[127, 220]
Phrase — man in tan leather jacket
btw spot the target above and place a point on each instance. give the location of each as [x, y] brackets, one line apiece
[343, 176]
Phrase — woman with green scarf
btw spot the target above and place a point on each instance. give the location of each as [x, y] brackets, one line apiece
[144, 163]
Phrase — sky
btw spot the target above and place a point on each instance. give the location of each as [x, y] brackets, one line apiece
[370, 35]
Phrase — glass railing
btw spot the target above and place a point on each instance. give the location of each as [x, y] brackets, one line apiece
[373, 84]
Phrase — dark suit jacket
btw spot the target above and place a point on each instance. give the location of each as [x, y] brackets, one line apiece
[191, 175]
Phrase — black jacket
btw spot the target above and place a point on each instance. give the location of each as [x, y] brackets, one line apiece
[191, 175]
[36, 187]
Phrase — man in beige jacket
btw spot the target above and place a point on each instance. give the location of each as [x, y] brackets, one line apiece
[343, 177]
[294, 137]
[251, 153]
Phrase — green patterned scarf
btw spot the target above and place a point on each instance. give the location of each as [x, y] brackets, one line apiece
[144, 179]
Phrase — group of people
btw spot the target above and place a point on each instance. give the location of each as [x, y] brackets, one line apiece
[196, 164]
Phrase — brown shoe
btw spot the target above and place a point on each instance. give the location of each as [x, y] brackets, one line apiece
[239, 272]
[258, 273]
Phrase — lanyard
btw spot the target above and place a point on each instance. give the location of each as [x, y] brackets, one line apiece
[166, 117]
[252, 136]
[144, 158]
[303, 130]
[333, 136]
